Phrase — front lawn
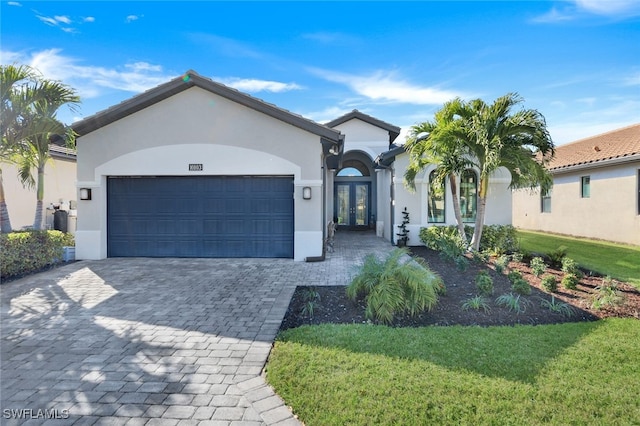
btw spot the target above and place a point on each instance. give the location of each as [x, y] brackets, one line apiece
[618, 261]
[574, 373]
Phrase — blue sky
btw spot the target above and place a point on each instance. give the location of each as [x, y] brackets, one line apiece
[577, 62]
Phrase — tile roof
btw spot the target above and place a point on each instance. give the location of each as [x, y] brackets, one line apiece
[61, 151]
[616, 144]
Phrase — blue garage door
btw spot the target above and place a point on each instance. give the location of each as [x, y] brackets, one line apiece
[205, 216]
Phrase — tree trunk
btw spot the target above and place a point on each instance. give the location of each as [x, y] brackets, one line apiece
[482, 203]
[5, 221]
[37, 221]
[456, 208]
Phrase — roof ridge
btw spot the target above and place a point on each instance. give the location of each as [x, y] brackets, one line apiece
[599, 135]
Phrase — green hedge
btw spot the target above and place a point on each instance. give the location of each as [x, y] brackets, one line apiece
[497, 239]
[25, 252]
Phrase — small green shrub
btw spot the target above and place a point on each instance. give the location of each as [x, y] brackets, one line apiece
[550, 283]
[570, 266]
[560, 307]
[481, 256]
[501, 264]
[25, 252]
[512, 301]
[462, 263]
[538, 267]
[514, 276]
[391, 287]
[499, 239]
[484, 283]
[570, 281]
[517, 256]
[476, 303]
[521, 286]
[607, 294]
[556, 256]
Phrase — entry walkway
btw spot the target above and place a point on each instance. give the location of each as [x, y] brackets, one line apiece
[155, 341]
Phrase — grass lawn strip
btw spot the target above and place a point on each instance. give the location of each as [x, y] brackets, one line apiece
[619, 261]
[574, 373]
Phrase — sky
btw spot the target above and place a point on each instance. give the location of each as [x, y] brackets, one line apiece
[575, 61]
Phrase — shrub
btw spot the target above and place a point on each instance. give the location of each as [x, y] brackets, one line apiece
[570, 281]
[521, 286]
[560, 307]
[476, 303]
[570, 266]
[25, 252]
[391, 287]
[538, 267]
[462, 263]
[517, 256]
[556, 256]
[444, 239]
[501, 263]
[550, 283]
[499, 239]
[607, 294]
[484, 283]
[513, 302]
[514, 276]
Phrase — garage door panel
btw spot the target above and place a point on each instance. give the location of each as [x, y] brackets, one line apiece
[204, 216]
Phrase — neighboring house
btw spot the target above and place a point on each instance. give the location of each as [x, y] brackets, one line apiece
[59, 187]
[596, 190]
[193, 168]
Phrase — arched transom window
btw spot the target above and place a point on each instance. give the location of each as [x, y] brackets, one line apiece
[353, 168]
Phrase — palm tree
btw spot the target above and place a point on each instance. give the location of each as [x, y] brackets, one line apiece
[440, 142]
[42, 126]
[15, 96]
[497, 137]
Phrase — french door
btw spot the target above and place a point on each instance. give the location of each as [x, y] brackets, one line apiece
[352, 205]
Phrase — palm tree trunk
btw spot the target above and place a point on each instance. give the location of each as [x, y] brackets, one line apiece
[456, 207]
[5, 221]
[482, 203]
[37, 221]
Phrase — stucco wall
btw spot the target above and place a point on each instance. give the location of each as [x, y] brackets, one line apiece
[361, 136]
[498, 211]
[196, 126]
[59, 185]
[610, 213]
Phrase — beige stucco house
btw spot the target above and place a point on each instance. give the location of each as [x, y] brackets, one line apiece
[596, 190]
[59, 189]
[193, 168]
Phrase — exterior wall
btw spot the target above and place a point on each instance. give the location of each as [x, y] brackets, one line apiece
[610, 213]
[498, 210]
[197, 126]
[59, 185]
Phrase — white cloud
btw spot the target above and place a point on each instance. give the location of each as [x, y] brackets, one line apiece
[132, 18]
[14, 3]
[254, 85]
[63, 19]
[386, 86]
[92, 81]
[88, 19]
[575, 9]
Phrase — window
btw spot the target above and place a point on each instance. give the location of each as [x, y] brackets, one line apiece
[638, 191]
[545, 202]
[585, 186]
[436, 200]
[468, 195]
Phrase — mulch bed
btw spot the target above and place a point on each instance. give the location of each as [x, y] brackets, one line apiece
[334, 307]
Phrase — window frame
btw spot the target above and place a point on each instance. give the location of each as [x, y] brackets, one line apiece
[430, 217]
[585, 186]
[463, 185]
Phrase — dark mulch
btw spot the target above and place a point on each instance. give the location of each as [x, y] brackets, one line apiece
[335, 307]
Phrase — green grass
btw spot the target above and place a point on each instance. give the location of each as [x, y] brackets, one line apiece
[574, 373]
[619, 261]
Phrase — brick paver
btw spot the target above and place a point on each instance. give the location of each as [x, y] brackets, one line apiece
[155, 341]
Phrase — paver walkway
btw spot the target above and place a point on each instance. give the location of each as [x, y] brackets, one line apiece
[154, 341]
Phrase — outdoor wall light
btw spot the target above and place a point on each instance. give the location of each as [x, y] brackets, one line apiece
[306, 193]
[85, 193]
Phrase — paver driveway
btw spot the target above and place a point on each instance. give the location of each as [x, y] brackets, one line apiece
[154, 341]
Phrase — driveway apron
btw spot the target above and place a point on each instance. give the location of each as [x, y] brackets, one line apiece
[143, 341]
